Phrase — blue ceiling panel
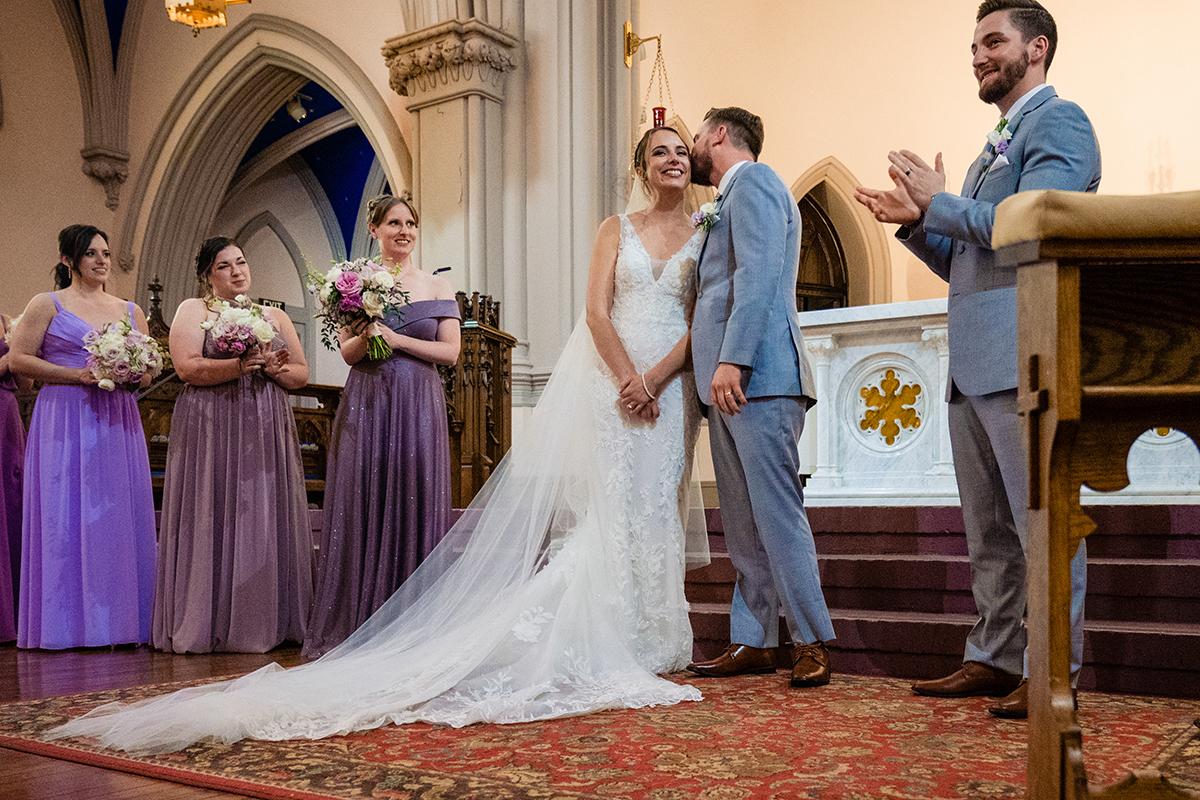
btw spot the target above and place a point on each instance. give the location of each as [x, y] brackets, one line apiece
[342, 162]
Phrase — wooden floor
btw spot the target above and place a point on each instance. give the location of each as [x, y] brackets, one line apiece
[33, 674]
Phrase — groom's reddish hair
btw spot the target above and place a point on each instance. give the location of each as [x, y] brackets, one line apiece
[744, 128]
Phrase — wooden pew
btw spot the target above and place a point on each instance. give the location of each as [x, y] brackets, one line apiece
[1108, 294]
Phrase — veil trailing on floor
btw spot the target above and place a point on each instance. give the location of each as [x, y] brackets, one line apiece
[511, 618]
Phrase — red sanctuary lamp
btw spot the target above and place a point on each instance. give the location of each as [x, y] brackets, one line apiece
[660, 117]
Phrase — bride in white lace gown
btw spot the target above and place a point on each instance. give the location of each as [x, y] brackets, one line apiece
[560, 590]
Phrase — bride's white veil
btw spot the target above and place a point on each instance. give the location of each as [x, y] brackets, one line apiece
[418, 650]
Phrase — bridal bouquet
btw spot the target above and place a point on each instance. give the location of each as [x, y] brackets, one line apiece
[239, 326]
[354, 293]
[119, 353]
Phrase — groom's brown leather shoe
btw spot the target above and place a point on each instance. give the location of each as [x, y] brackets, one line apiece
[738, 659]
[972, 680]
[1016, 705]
[810, 665]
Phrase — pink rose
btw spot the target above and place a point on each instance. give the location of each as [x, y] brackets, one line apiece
[121, 372]
[349, 283]
[351, 302]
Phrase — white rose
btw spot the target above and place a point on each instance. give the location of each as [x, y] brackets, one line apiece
[207, 325]
[708, 208]
[372, 305]
[324, 295]
[107, 385]
[263, 330]
[333, 274]
[383, 280]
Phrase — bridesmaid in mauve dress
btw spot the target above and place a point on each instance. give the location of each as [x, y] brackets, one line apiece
[87, 531]
[235, 551]
[12, 460]
[387, 490]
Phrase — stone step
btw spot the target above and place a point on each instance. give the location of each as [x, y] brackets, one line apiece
[1132, 590]
[1135, 658]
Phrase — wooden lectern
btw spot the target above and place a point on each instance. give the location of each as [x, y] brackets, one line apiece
[1108, 310]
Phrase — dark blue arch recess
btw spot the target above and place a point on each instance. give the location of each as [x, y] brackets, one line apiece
[115, 11]
[341, 161]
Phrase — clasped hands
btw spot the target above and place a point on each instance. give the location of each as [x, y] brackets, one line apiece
[915, 185]
[636, 399]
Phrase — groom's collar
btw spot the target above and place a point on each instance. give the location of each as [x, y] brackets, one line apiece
[727, 178]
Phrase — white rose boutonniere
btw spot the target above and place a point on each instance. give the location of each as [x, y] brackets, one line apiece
[706, 217]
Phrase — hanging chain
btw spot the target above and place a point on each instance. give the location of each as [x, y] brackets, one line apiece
[660, 71]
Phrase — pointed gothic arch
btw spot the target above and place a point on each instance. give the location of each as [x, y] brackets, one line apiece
[868, 260]
[195, 153]
[268, 220]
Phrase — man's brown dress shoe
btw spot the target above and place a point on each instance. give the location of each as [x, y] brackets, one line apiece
[972, 680]
[810, 665]
[738, 659]
[1016, 705]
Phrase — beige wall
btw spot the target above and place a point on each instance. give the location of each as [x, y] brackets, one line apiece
[855, 79]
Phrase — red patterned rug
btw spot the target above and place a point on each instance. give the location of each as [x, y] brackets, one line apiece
[751, 737]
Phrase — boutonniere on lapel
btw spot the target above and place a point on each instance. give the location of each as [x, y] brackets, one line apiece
[998, 140]
[706, 217]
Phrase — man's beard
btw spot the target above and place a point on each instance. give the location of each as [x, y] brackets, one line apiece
[1012, 73]
[701, 169]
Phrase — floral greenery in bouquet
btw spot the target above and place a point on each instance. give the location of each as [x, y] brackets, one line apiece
[356, 293]
[239, 326]
[119, 353]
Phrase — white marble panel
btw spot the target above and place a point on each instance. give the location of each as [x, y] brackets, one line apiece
[878, 435]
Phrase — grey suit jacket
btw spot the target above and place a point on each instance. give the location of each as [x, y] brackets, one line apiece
[746, 290]
[1053, 147]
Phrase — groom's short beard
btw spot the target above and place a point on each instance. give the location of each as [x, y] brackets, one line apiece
[701, 170]
[1012, 73]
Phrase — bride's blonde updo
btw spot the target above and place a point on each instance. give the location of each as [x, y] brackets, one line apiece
[639, 155]
[379, 206]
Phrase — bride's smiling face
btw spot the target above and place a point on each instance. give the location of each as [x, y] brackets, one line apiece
[667, 162]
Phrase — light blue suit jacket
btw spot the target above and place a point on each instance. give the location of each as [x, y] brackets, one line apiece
[1053, 147]
[746, 290]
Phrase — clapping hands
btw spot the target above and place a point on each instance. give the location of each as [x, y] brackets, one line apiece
[915, 185]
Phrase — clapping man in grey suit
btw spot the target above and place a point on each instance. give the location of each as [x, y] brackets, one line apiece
[1042, 142]
[753, 377]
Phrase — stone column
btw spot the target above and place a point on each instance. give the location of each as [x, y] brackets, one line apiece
[453, 75]
[826, 469]
[937, 337]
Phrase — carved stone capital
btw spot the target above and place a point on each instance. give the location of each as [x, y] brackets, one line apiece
[110, 167]
[938, 337]
[450, 60]
[821, 348]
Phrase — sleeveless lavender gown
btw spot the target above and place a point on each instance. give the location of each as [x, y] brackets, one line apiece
[387, 489]
[12, 461]
[87, 533]
[235, 564]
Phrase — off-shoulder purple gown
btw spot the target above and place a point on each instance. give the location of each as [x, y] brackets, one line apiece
[87, 533]
[235, 552]
[12, 459]
[387, 490]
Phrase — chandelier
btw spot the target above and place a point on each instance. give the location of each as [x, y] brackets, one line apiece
[200, 13]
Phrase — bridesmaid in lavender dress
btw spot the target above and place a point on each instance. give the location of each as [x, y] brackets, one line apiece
[87, 531]
[387, 495]
[235, 553]
[12, 460]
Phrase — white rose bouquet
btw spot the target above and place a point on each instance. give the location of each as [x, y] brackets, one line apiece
[239, 326]
[119, 353]
[354, 292]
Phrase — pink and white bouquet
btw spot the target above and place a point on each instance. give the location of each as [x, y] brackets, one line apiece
[119, 353]
[354, 293]
[239, 326]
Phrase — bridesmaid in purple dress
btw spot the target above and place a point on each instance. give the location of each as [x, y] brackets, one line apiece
[387, 490]
[235, 553]
[12, 461]
[87, 531]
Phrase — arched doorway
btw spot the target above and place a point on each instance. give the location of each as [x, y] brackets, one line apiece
[822, 281]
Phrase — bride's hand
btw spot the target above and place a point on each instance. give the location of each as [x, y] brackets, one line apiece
[633, 392]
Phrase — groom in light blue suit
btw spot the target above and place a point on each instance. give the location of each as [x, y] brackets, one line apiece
[754, 380]
[1042, 142]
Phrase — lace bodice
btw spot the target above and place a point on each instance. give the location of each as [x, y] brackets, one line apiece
[648, 312]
